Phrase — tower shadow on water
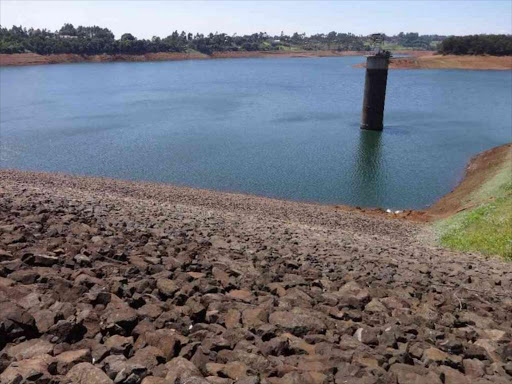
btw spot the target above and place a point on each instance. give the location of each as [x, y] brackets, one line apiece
[368, 172]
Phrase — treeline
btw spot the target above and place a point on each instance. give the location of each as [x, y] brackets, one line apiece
[96, 40]
[496, 45]
[415, 40]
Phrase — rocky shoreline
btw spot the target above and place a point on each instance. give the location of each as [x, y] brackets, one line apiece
[109, 281]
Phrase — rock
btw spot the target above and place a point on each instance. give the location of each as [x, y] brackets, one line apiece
[114, 364]
[491, 347]
[148, 357]
[86, 373]
[197, 311]
[82, 260]
[298, 321]
[216, 343]
[249, 380]
[25, 276]
[254, 317]
[45, 319]
[15, 322]
[408, 374]
[508, 368]
[195, 380]
[118, 319]
[367, 336]
[507, 352]
[311, 378]
[220, 276]
[473, 367]
[352, 295]
[452, 376]
[434, 355]
[67, 359]
[452, 346]
[180, 369]
[278, 346]
[235, 370]
[66, 331]
[31, 301]
[154, 380]
[5, 282]
[232, 318]
[167, 287]
[98, 295]
[497, 335]
[375, 306]
[214, 369]
[131, 374]
[29, 370]
[119, 344]
[151, 311]
[40, 260]
[5, 255]
[241, 295]
[29, 349]
[167, 341]
[473, 351]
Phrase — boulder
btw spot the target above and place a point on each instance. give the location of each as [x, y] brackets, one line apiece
[166, 287]
[29, 370]
[298, 321]
[86, 373]
[29, 349]
[68, 359]
[179, 369]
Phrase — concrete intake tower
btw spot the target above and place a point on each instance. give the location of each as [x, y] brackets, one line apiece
[375, 91]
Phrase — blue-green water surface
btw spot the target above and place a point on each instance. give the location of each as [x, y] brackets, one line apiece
[285, 128]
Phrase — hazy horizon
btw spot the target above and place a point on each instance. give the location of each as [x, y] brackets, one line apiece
[145, 19]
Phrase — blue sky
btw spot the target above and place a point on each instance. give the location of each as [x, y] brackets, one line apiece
[148, 18]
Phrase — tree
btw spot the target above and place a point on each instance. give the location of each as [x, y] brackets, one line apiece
[90, 40]
[67, 30]
[128, 36]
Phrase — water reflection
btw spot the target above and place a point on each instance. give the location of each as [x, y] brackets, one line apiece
[368, 172]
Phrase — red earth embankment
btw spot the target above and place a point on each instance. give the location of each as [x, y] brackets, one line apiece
[429, 60]
[21, 59]
[453, 62]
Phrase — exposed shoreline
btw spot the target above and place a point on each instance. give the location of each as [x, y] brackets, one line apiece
[480, 168]
[502, 63]
[429, 60]
[416, 59]
[23, 59]
[104, 279]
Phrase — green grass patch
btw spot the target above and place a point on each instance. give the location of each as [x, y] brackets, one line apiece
[487, 228]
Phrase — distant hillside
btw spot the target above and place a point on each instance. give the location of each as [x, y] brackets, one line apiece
[96, 40]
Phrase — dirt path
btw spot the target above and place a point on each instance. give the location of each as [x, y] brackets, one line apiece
[104, 280]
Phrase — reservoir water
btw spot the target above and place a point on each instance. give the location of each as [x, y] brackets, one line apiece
[284, 128]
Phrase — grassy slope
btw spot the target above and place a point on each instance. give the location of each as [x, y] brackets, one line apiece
[486, 228]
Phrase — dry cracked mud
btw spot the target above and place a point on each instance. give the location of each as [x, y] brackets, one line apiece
[105, 281]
